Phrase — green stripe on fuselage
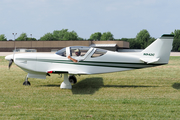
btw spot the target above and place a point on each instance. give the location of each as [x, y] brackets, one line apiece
[96, 63]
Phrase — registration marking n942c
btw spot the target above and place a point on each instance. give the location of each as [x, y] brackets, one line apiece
[149, 54]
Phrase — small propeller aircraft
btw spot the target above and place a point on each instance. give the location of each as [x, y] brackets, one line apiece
[91, 61]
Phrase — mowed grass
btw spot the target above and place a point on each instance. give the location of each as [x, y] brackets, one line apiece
[150, 93]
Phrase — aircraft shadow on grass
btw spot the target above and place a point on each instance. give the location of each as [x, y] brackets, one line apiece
[176, 86]
[91, 85]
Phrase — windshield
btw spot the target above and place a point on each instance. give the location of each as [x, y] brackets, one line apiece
[62, 52]
[98, 53]
[81, 50]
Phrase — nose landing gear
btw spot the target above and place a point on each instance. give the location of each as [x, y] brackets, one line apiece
[26, 82]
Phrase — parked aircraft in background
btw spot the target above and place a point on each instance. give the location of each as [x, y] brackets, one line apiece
[90, 61]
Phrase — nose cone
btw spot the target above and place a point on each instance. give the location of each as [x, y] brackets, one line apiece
[9, 57]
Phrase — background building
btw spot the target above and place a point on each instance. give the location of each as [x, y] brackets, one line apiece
[48, 46]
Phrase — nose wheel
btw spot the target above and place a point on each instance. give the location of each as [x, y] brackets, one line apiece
[26, 82]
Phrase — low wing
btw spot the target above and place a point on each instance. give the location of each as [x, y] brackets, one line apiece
[37, 75]
[68, 72]
[149, 60]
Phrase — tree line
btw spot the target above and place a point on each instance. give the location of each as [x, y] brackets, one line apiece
[141, 41]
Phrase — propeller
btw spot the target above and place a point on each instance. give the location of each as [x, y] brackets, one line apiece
[12, 60]
[10, 63]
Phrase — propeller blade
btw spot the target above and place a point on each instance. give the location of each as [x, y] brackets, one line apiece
[10, 63]
[12, 60]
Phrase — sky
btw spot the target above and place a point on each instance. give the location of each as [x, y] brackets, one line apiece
[123, 18]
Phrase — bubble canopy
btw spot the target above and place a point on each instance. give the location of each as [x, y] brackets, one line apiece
[83, 51]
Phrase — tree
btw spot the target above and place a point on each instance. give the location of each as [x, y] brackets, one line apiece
[64, 34]
[73, 35]
[143, 37]
[31, 39]
[79, 38]
[3, 37]
[151, 40]
[107, 36]
[59, 34]
[70, 36]
[95, 36]
[133, 43]
[47, 37]
[176, 41]
[22, 37]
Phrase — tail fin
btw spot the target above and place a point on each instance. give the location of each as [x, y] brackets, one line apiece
[159, 50]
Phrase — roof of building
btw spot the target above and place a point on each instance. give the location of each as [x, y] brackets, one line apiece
[103, 45]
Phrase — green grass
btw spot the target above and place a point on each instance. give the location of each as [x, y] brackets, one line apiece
[151, 93]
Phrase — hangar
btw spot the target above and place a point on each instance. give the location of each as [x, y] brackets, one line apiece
[48, 46]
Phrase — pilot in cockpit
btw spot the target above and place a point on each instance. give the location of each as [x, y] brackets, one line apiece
[78, 53]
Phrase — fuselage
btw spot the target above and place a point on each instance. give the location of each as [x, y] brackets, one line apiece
[109, 62]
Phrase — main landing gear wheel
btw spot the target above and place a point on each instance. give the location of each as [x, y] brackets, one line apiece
[26, 82]
[72, 79]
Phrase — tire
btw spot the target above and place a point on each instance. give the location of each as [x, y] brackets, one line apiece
[72, 79]
[26, 83]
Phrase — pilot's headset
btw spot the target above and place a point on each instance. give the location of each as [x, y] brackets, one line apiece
[79, 52]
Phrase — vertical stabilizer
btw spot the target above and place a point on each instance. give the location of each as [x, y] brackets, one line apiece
[159, 50]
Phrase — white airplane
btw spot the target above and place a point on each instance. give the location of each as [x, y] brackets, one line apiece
[91, 61]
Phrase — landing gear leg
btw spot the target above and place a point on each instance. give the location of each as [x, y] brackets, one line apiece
[66, 84]
[26, 82]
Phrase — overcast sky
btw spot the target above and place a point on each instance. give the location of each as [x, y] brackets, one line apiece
[123, 18]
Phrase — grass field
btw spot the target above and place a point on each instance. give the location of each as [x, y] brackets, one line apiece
[151, 93]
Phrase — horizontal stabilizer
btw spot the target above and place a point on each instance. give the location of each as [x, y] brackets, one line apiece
[148, 60]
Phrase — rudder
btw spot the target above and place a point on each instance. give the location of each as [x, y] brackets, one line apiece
[159, 50]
